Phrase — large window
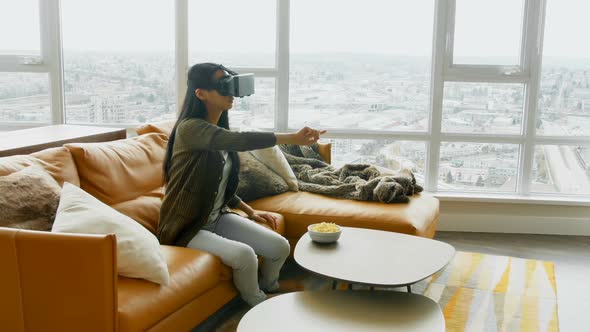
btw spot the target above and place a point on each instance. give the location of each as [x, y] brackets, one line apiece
[488, 32]
[360, 72]
[118, 61]
[394, 155]
[24, 89]
[235, 33]
[256, 111]
[240, 35]
[564, 98]
[484, 89]
[564, 103]
[478, 166]
[19, 23]
[561, 169]
[483, 108]
[475, 96]
[24, 97]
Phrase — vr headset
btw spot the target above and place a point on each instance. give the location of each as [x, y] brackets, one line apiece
[235, 85]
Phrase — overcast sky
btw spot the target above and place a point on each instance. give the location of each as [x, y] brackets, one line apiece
[397, 27]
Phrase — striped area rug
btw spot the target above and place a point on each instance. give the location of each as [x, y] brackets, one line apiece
[476, 292]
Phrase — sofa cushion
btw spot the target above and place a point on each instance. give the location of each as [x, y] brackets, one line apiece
[274, 159]
[142, 304]
[138, 251]
[257, 180]
[164, 127]
[29, 199]
[120, 170]
[56, 161]
[143, 209]
[301, 209]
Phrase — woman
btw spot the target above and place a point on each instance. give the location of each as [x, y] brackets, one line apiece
[201, 170]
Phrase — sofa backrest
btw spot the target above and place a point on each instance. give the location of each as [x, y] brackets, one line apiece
[125, 174]
[164, 127]
[121, 170]
[56, 161]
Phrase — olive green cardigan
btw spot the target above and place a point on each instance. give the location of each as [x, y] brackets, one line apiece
[195, 172]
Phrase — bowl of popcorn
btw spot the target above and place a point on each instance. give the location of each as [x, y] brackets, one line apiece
[325, 232]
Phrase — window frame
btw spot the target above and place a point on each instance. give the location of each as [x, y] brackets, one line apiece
[443, 70]
[277, 72]
[50, 61]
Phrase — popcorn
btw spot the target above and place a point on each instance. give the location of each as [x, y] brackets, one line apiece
[325, 227]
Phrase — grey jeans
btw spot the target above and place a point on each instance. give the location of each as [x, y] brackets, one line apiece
[237, 241]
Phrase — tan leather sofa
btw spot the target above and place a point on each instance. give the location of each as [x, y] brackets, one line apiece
[301, 209]
[69, 282]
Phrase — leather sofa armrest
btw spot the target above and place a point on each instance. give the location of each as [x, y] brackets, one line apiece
[325, 150]
[57, 281]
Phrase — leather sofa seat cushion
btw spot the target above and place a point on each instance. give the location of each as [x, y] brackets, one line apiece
[143, 209]
[56, 161]
[120, 170]
[164, 127]
[142, 304]
[301, 209]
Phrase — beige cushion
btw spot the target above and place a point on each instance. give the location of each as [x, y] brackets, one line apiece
[274, 159]
[138, 251]
[28, 199]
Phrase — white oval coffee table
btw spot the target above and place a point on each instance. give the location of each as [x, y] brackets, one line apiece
[354, 311]
[374, 258]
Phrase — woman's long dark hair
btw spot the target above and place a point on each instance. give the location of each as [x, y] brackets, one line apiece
[199, 76]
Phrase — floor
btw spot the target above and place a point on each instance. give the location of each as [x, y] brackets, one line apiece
[571, 255]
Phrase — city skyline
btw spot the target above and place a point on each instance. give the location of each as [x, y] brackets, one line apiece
[344, 91]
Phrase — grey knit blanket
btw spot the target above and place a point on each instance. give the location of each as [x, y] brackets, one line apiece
[352, 181]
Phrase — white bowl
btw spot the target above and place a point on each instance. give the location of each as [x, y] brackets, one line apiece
[322, 237]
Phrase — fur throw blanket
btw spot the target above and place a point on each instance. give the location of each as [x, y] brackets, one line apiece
[352, 181]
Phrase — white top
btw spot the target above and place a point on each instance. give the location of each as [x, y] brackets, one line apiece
[220, 197]
[352, 311]
[373, 257]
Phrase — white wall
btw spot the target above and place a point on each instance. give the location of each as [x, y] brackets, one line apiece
[514, 218]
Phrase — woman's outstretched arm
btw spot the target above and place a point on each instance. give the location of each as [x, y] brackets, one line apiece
[199, 134]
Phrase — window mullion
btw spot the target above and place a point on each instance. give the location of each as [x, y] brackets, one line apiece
[377, 135]
[562, 140]
[533, 43]
[479, 74]
[181, 50]
[258, 72]
[439, 59]
[52, 55]
[13, 65]
[282, 66]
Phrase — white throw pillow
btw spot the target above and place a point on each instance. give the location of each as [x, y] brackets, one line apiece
[138, 251]
[274, 159]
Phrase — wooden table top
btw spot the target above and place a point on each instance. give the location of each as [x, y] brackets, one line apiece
[35, 139]
[373, 257]
[352, 311]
